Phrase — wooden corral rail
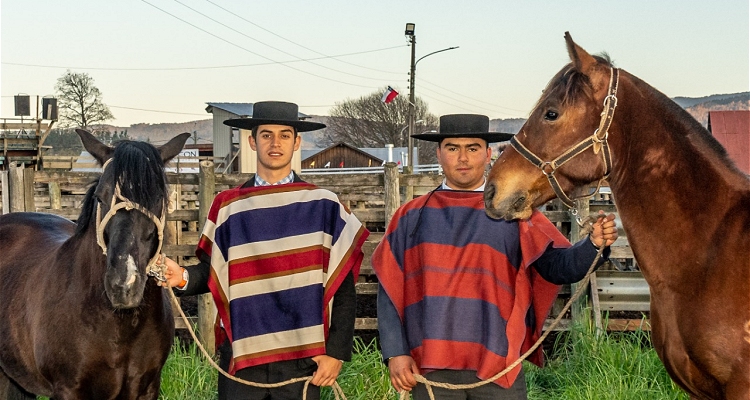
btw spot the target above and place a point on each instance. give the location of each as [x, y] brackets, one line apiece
[372, 198]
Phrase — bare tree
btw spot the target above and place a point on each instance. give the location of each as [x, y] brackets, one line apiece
[368, 122]
[80, 102]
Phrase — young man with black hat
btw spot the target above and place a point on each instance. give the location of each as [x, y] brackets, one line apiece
[462, 295]
[280, 257]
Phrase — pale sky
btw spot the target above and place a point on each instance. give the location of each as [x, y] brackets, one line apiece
[162, 60]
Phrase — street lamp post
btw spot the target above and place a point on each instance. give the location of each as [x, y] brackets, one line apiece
[401, 133]
[412, 74]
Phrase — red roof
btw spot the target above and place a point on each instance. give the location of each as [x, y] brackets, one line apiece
[732, 130]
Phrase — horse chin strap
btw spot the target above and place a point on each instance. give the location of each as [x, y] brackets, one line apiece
[598, 141]
[120, 202]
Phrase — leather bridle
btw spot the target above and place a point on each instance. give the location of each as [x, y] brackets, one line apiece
[598, 141]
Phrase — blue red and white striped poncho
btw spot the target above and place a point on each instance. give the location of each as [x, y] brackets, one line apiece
[278, 254]
[462, 283]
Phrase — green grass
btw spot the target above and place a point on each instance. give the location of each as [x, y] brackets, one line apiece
[614, 366]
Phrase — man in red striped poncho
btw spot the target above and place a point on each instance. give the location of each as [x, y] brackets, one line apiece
[462, 295]
[280, 257]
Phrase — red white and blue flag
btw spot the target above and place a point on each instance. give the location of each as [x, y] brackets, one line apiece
[389, 95]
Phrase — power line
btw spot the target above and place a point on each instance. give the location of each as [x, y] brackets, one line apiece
[295, 43]
[252, 52]
[471, 98]
[268, 45]
[157, 111]
[197, 68]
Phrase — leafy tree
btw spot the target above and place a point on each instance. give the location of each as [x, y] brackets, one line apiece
[368, 122]
[80, 102]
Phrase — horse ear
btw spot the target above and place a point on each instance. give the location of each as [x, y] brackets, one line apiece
[582, 61]
[99, 150]
[173, 147]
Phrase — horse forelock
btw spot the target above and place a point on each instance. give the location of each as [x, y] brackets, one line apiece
[570, 85]
[139, 170]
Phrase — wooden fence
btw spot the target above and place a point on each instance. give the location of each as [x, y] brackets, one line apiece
[373, 198]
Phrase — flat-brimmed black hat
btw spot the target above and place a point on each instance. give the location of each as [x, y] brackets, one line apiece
[274, 113]
[464, 125]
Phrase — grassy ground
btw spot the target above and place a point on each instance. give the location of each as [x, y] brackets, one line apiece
[615, 366]
[585, 366]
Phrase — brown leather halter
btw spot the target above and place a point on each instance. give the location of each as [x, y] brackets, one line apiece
[598, 141]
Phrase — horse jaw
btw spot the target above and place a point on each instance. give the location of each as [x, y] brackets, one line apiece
[513, 192]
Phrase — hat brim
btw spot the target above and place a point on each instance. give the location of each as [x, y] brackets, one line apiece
[250, 123]
[490, 137]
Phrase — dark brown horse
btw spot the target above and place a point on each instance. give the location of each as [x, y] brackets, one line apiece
[684, 206]
[79, 317]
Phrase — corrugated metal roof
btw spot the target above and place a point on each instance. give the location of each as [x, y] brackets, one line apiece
[241, 109]
[732, 130]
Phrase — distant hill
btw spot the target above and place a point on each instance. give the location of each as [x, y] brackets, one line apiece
[698, 107]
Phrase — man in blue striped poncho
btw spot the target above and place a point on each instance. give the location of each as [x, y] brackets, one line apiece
[280, 257]
[462, 295]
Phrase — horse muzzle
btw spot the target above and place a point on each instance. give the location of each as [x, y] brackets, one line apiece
[515, 205]
[124, 284]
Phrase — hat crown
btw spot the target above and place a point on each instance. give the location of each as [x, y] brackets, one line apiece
[464, 123]
[464, 126]
[276, 110]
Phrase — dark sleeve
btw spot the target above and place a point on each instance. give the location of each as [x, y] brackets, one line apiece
[343, 312]
[561, 266]
[197, 278]
[392, 335]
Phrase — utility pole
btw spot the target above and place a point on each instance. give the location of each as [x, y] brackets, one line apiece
[412, 106]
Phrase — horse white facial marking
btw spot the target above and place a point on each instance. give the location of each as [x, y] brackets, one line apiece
[132, 271]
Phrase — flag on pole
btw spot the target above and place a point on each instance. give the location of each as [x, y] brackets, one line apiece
[389, 95]
[328, 164]
[341, 164]
[312, 164]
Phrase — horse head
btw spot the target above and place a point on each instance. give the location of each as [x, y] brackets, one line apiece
[562, 148]
[131, 204]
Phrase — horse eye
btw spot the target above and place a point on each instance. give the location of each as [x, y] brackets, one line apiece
[551, 115]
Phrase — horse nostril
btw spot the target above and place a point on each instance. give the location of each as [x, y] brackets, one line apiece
[489, 193]
[519, 202]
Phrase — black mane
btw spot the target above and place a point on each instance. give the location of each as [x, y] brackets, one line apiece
[138, 168]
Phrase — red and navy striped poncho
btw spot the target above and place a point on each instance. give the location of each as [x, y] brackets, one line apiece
[463, 284]
[278, 255]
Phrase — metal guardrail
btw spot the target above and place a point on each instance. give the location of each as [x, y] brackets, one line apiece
[369, 170]
[622, 291]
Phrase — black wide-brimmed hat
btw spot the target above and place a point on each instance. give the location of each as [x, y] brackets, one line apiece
[464, 125]
[274, 113]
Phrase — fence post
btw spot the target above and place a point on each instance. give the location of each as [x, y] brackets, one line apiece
[206, 309]
[6, 192]
[576, 233]
[21, 188]
[392, 195]
[55, 196]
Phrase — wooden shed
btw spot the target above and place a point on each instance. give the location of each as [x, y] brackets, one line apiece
[732, 130]
[341, 155]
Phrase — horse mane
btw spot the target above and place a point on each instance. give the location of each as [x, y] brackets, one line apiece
[138, 168]
[570, 85]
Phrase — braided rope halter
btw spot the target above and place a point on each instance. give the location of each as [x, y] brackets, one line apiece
[120, 202]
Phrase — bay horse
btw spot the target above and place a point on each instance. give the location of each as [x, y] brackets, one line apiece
[79, 317]
[684, 206]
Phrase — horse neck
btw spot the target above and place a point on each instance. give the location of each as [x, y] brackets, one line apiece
[661, 181]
